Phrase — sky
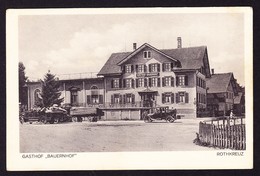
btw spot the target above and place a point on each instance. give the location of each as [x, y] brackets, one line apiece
[66, 44]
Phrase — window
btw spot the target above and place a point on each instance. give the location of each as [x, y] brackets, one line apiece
[167, 81]
[140, 68]
[37, 96]
[140, 82]
[115, 83]
[181, 80]
[153, 82]
[128, 98]
[154, 68]
[147, 54]
[74, 97]
[116, 98]
[94, 99]
[128, 69]
[128, 83]
[168, 97]
[182, 97]
[167, 66]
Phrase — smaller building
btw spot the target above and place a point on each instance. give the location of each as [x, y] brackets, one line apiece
[76, 92]
[221, 93]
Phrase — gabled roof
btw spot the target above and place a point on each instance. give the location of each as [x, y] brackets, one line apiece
[111, 66]
[190, 58]
[218, 83]
[142, 47]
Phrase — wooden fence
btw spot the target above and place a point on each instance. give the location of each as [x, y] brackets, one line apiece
[224, 133]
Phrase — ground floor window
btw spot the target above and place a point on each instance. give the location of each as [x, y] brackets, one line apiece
[128, 98]
[74, 97]
[116, 98]
[182, 97]
[168, 97]
[94, 99]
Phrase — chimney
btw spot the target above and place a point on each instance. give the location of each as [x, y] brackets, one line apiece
[134, 46]
[179, 42]
[212, 71]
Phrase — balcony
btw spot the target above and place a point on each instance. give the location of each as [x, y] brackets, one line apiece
[137, 104]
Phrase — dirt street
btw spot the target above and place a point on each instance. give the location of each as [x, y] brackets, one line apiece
[110, 136]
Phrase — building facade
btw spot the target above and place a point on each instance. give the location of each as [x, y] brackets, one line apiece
[130, 83]
[221, 93]
[76, 92]
[148, 77]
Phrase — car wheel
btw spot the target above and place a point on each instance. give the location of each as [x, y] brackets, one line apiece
[74, 119]
[169, 119]
[56, 120]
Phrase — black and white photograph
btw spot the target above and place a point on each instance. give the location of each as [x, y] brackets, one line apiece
[129, 88]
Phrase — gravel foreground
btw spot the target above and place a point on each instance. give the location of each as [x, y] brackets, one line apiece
[110, 136]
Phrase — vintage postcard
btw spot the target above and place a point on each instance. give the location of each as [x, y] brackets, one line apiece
[129, 88]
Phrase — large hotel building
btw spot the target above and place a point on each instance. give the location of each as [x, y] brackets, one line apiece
[131, 82]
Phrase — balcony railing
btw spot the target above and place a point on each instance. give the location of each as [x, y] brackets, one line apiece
[136, 104]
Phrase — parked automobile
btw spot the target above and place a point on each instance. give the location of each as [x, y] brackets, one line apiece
[161, 113]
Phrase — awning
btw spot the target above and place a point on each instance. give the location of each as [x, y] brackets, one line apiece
[147, 91]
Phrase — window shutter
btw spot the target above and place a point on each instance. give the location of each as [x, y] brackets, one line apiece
[120, 83]
[120, 99]
[177, 80]
[145, 82]
[132, 68]
[133, 83]
[158, 82]
[145, 68]
[163, 81]
[88, 99]
[186, 97]
[172, 81]
[124, 98]
[186, 80]
[100, 97]
[136, 68]
[150, 67]
[158, 67]
[163, 67]
[133, 98]
[123, 69]
[172, 97]
[124, 83]
[136, 83]
[172, 64]
[163, 98]
[112, 99]
[112, 83]
[150, 82]
[177, 98]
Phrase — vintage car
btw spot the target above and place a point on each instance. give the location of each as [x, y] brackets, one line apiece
[161, 113]
[53, 114]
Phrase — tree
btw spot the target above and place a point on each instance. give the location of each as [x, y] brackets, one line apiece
[50, 91]
[22, 81]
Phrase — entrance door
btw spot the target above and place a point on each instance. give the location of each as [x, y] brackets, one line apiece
[74, 98]
[148, 99]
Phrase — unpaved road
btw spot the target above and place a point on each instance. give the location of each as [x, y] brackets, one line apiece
[110, 136]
